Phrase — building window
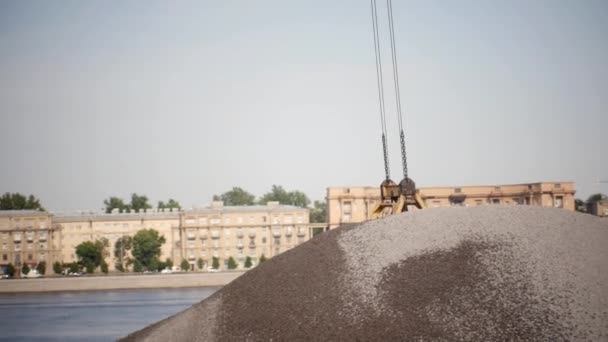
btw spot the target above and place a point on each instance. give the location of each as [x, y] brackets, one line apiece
[202, 221]
[4, 245]
[557, 185]
[495, 201]
[275, 220]
[30, 257]
[227, 220]
[263, 240]
[478, 202]
[42, 257]
[239, 219]
[346, 218]
[347, 207]
[457, 190]
[347, 191]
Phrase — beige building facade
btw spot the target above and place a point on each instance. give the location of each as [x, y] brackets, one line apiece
[215, 231]
[79, 227]
[239, 232]
[356, 204]
[28, 237]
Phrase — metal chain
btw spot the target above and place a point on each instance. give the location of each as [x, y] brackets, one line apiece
[387, 171]
[403, 156]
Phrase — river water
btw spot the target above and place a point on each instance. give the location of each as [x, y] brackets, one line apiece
[90, 316]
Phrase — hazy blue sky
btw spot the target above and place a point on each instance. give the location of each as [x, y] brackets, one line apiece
[186, 99]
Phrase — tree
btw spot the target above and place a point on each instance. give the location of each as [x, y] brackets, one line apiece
[57, 268]
[115, 203]
[154, 265]
[146, 246]
[232, 263]
[236, 196]
[215, 264]
[318, 213]
[171, 204]
[74, 267]
[91, 254]
[25, 269]
[139, 202]
[41, 267]
[200, 263]
[263, 258]
[278, 194]
[137, 266]
[104, 267]
[595, 198]
[580, 205]
[248, 262]
[17, 201]
[169, 263]
[121, 250]
[185, 265]
[10, 270]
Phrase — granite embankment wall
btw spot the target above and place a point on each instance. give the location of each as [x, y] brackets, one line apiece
[110, 282]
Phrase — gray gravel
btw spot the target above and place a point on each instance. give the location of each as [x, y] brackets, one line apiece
[489, 273]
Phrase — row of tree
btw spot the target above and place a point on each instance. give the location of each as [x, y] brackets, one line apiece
[237, 197]
[17, 201]
[138, 202]
[582, 206]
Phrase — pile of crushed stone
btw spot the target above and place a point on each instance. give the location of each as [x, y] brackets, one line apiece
[479, 273]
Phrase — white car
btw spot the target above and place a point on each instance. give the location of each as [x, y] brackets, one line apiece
[32, 274]
[211, 269]
[166, 271]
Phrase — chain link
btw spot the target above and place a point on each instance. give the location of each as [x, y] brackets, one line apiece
[403, 156]
[387, 171]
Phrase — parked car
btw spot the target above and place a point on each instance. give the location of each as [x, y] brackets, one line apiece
[32, 274]
[166, 271]
[211, 269]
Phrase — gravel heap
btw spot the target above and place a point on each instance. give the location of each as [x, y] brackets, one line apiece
[482, 273]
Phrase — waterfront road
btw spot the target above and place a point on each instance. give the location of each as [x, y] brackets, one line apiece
[114, 282]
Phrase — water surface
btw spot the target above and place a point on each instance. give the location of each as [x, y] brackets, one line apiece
[90, 316]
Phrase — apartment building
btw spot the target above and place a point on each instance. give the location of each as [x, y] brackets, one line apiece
[356, 204]
[28, 237]
[239, 232]
[78, 227]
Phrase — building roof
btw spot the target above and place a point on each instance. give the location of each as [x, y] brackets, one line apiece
[247, 209]
[101, 216]
[22, 213]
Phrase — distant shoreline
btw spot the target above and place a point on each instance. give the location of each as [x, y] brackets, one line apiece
[112, 282]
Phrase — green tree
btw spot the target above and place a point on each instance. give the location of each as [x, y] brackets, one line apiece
[119, 267]
[232, 263]
[91, 254]
[169, 263]
[580, 205]
[115, 203]
[248, 262]
[185, 265]
[200, 263]
[10, 270]
[17, 201]
[122, 246]
[154, 265]
[171, 204]
[146, 246]
[263, 258]
[278, 194]
[215, 263]
[41, 267]
[137, 266]
[139, 203]
[236, 196]
[595, 198]
[74, 267]
[104, 267]
[57, 268]
[25, 269]
[318, 213]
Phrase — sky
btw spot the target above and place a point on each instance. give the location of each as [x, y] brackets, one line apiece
[186, 99]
